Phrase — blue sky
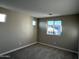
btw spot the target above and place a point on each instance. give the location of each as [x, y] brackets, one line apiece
[54, 22]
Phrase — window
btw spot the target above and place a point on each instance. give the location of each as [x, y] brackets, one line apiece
[54, 27]
[34, 23]
[2, 17]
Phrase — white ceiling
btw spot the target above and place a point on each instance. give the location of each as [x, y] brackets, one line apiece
[42, 8]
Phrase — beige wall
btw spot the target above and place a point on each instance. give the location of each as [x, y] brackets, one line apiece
[69, 37]
[17, 31]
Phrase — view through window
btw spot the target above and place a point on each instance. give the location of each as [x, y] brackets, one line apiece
[2, 17]
[54, 27]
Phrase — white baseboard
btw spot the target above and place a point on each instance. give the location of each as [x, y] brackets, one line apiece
[4, 53]
[64, 49]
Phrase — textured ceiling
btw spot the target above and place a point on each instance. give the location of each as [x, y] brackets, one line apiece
[41, 8]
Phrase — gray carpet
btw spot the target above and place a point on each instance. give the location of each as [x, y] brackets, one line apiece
[39, 51]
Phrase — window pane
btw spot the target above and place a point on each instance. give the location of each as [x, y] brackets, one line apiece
[50, 28]
[57, 28]
[54, 27]
[33, 23]
[50, 22]
[2, 17]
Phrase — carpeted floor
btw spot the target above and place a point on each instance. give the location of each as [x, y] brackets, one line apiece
[39, 51]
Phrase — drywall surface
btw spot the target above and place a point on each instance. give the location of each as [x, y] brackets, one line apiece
[17, 31]
[69, 37]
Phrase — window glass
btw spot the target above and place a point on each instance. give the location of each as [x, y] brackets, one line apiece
[2, 17]
[54, 27]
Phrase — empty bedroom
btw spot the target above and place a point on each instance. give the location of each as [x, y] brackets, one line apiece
[39, 29]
